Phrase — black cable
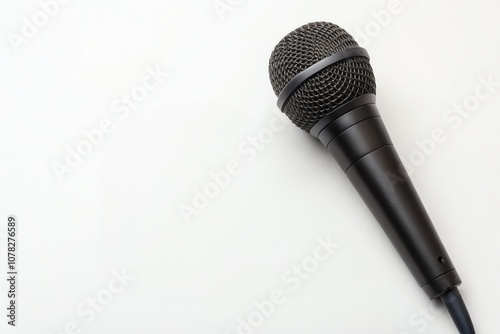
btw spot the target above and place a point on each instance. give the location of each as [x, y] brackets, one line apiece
[458, 311]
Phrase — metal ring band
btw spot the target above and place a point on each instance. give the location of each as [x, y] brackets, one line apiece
[315, 68]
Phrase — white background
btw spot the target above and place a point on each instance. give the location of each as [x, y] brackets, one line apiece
[119, 209]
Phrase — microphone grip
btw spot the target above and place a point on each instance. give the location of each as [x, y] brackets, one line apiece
[361, 145]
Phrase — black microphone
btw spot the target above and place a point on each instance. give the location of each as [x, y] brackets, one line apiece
[325, 85]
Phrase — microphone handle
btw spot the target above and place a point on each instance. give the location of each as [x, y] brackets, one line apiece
[359, 141]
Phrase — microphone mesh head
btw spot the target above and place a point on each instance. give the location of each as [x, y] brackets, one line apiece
[326, 90]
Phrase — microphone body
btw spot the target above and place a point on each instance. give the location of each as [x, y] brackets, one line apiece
[325, 85]
[357, 138]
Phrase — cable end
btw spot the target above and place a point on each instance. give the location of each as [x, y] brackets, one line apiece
[458, 311]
